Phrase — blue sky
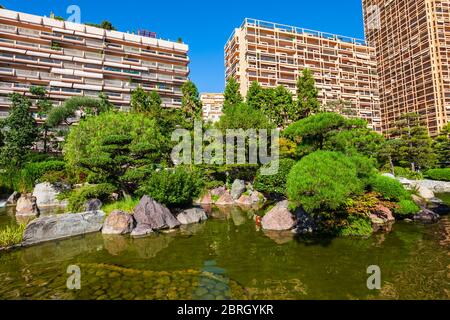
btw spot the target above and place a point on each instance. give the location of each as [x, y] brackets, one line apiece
[206, 25]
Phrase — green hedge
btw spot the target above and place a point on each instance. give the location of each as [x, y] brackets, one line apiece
[438, 174]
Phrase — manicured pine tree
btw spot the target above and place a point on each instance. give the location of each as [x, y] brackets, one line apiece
[415, 149]
[442, 147]
[307, 96]
[44, 106]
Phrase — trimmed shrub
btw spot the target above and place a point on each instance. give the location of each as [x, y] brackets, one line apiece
[78, 197]
[438, 174]
[274, 184]
[173, 187]
[324, 180]
[389, 188]
[406, 208]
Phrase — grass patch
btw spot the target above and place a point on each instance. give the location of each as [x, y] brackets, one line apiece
[126, 205]
[11, 235]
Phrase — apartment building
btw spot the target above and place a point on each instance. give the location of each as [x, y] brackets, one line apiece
[274, 54]
[212, 106]
[72, 59]
[412, 39]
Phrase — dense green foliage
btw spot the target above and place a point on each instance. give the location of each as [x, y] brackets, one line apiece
[356, 226]
[19, 132]
[243, 116]
[441, 147]
[85, 105]
[438, 174]
[406, 208]
[389, 188]
[118, 148]
[232, 94]
[126, 205]
[274, 184]
[147, 103]
[173, 187]
[78, 197]
[324, 180]
[414, 148]
[190, 103]
[11, 235]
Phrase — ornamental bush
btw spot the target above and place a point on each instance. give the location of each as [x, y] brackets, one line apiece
[324, 180]
[389, 188]
[406, 208]
[274, 184]
[357, 226]
[438, 174]
[173, 187]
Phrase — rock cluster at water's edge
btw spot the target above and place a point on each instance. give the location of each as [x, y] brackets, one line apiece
[118, 222]
[279, 218]
[27, 206]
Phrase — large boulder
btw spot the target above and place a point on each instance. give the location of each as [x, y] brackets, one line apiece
[381, 213]
[193, 215]
[155, 215]
[46, 195]
[93, 205]
[62, 226]
[118, 222]
[279, 218]
[225, 200]
[438, 206]
[27, 206]
[421, 202]
[426, 216]
[237, 189]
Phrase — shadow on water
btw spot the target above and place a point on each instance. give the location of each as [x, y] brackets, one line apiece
[229, 257]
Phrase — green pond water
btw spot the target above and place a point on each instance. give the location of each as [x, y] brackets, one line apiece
[228, 257]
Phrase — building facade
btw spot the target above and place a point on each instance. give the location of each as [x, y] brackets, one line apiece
[412, 39]
[74, 59]
[273, 54]
[212, 106]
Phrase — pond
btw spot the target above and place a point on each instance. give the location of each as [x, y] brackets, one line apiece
[228, 257]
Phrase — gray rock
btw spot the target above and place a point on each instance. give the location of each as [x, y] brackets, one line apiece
[27, 206]
[426, 216]
[155, 215]
[218, 191]
[46, 195]
[237, 189]
[193, 215]
[12, 199]
[279, 218]
[305, 223]
[438, 206]
[62, 226]
[118, 222]
[93, 205]
[141, 230]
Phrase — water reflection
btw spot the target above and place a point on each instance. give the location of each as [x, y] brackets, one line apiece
[231, 259]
